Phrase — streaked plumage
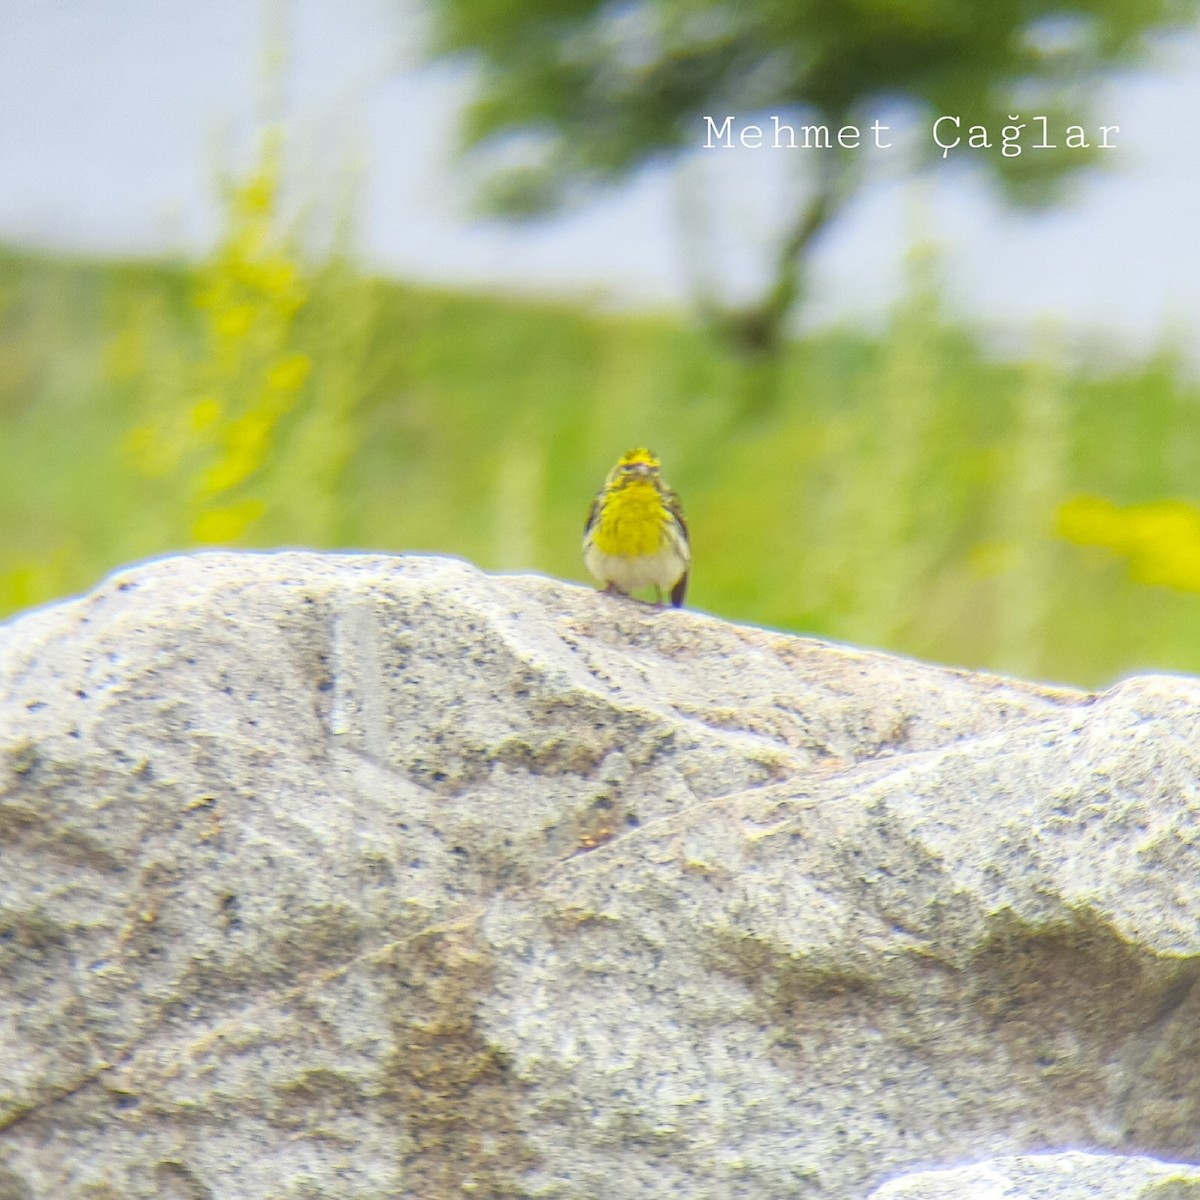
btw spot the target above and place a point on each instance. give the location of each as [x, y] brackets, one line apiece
[636, 536]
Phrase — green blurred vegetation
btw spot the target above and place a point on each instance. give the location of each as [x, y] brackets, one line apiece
[911, 491]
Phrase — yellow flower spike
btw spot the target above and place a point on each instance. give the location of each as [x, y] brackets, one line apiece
[235, 322]
[1161, 541]
[258, 195]
[249, 433]
[221, 525]
[1089, 521]
[289, 374]
[276, 277]
[225, 428]
[205, 413]
[247, 441]
[221, 476]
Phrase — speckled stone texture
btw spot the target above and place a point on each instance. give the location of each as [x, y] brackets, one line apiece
[1051, 1177]
[371, 877]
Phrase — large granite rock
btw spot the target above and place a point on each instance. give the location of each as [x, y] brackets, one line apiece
[1071, 1176]
[366, 877]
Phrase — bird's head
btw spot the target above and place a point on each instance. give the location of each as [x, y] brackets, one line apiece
[635, 465]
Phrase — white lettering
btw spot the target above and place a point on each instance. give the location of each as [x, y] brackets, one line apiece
[791, 132]
[1044, 143]
[946, 147]
[725, 132]
[1009, 146]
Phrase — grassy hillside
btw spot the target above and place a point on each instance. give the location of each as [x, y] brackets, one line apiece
[901, 490]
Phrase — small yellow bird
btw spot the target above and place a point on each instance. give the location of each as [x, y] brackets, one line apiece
[635, 535]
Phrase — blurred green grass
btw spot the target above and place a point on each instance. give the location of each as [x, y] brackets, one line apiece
[902, 491]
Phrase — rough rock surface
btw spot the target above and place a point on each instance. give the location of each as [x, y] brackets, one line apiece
[1051, 1177]
[367, 877]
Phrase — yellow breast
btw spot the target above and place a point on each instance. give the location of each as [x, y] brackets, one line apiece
[631, 521]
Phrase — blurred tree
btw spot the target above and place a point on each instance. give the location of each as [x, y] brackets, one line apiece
[584, 92]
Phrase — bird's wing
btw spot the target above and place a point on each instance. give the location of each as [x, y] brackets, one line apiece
[676, 510]
[594, 512]
[679, 590]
